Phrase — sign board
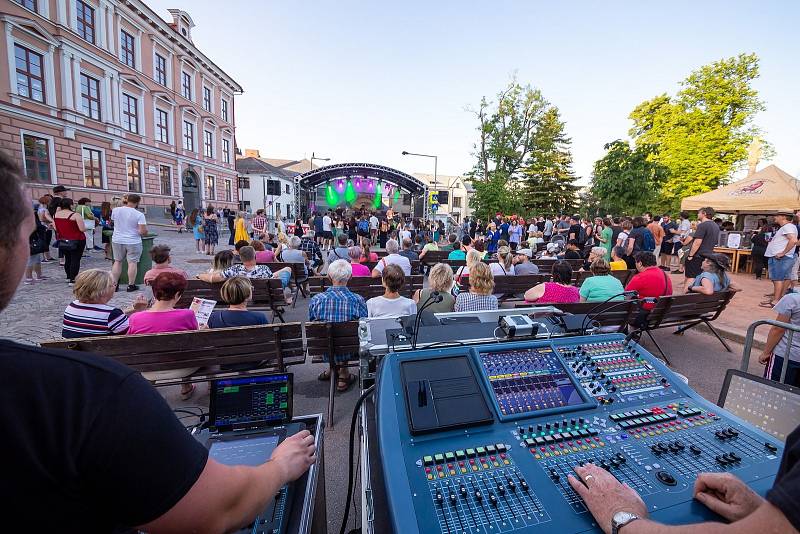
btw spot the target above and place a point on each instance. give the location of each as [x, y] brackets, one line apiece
[152, 169]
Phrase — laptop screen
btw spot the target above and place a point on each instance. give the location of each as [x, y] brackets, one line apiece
[251, 401]
[771, 406]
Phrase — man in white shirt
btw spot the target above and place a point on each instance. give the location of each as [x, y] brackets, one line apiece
[126, 242]
[780, 252]
[327, 231]
[405, 233]
[392, 248]
[391, 303]
[373, 228]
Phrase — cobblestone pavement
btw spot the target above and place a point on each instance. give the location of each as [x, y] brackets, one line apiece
[35, 313]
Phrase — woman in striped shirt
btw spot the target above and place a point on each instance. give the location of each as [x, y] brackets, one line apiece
[89, 315]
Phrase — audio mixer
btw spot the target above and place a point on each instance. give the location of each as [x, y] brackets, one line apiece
[481, 439]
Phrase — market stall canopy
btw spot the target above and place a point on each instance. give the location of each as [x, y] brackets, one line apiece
[761, 193]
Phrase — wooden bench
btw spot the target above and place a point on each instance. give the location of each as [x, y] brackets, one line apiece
[510, 287]
[432, 257]
[578, 277]
[616, 315]
[366, 286]
[685, 312]
[416, 266]
[338, 339]
[299, 280]
[276, 345]
[267, 294]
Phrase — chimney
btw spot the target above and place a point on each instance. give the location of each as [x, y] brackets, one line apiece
[251, 153]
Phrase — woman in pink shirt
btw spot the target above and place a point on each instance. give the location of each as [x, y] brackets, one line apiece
[163, 317]
[359, 269]
[559, 290]
[262, 254]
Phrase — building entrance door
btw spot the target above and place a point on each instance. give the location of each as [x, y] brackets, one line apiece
[191, 191]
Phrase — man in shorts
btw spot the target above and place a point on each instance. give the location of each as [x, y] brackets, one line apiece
[705, 239]
[126, 242]
[780, 254]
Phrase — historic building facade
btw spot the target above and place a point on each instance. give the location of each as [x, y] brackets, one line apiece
[106, 98]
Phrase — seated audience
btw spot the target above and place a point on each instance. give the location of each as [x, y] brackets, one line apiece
[522, 263]
[407, 251]
[560, 290]
[392, 257]
[573, 251]
[775, 349]
[473, 258]
[340, 252]
[430, 245]
[504, 265]
[292, 254]
[594, 253]
[618, 259]
[650, 281]
[337, 304]
[440, 279]
[164, 317]
[457, 253]
[222, 260]
[238, 246]
[359, 269]
[366, 255]
[551, 252]
[481, 285]
[391, 303]
[713, 278]
[250, 269]
[263, 255]
[451, 243]
[601, 286]
[311, 248]
[89, 315]
[162, 260]
[236, 292]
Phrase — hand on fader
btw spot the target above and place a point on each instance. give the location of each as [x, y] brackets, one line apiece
[295, 455]
[604, 495]
[726, 495]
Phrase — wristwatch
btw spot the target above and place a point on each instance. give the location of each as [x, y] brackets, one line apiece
[621, 519]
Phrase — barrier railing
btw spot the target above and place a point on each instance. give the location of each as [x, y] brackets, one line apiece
[748, 343]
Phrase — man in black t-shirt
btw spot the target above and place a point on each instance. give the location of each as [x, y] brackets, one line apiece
[705, 239]
[610, 501]
[90, 446]
[636, 237]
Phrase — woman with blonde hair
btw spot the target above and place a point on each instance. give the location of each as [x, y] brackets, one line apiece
[236, 292]
[89, 315]
[601, 286]
[503, 267]
[222, 260]
[481, 285]
[283, 244]
[473, 257]
[439, 279]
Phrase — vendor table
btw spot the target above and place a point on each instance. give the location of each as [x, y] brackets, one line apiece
[734, 255]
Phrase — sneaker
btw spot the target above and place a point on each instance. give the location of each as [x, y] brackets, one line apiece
[132, 288]
[48, 260]
[39, 279]
[97, 248]
[28, 281]
[70, 283]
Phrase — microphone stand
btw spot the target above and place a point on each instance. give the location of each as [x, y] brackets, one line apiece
[433, 298]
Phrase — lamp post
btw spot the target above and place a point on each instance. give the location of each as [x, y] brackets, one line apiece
[311, 168]
[435, 167]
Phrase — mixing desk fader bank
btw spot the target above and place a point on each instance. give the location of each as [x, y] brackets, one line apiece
[481, 439]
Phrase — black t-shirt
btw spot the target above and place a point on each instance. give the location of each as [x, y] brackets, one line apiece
[785, 493]
[572, 255]
[615, 230]
[637, 234]
[89, 445]
[708, 231]
[575, 233]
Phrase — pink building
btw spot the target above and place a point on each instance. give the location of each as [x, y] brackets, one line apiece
[106, 98]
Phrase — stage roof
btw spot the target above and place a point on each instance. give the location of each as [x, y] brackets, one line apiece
[370, 170]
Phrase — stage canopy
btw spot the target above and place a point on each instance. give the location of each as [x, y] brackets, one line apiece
[369, 171]
[760, 193]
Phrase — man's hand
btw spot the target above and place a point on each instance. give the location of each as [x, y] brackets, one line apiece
[779, 255]
[295, 455]
[604, 495]
[140, 303]
[764, 358]
[726, 495]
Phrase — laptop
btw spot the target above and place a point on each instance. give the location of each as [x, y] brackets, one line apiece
[248, 418]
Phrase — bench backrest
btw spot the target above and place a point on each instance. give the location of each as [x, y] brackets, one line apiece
[681, 309]
[432, 257]
[276, 344]
[608, 314]
[267, 293]
[511, 285]
[415, 266]
[366, 286]
[338, 339]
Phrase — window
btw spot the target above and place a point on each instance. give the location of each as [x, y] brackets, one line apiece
[30, 76]
[208, 144]
[165, 173]
[224, 110]
[226, 151]
[30, 4]
[85, 20]
[273, 187]
[127, 49]
[90, 97]
[211, 188]
[186, 85]
[456, 202]
[244, 182]
[134, 175]
[188, 136]
[206, 98]
[130, 113]
[162, 126]
[161, 70]
[92, 168]
[37, 158]
[228, 190]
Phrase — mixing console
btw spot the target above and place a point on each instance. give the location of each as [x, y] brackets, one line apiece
[557, 404]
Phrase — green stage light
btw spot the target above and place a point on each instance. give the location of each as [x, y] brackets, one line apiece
[376, 202]
[331, 196]
[397, 194]
[350, 194]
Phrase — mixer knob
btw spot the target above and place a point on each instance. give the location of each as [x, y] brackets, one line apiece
[452, 498]
[463, 491]
[492, 499]
[564, 423]
[555, 424]
[621, 458]
[439, 497]
[572, 422]
[554, 474]
[478, 495]
[604, 465]
[501, 489]
[770, 447]
[695, 449]
[732, 432]
[735, 457]
[547, 426]
[663, 380]
[602, 376]
[655, 450]
[581, 420]
[524, 485]
[511, 484]
[722, 460]
[539, 427]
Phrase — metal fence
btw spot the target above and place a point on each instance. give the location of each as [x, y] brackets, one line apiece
[748, 343]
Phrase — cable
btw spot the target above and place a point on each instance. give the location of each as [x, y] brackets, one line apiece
[623, 295]
[494, 333]
[367, 392]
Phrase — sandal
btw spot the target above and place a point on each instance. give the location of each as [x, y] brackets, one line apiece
[344, 383]
[767, 304]
[186, 395]
[324, 376]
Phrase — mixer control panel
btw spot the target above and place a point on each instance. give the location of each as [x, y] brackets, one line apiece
[557, 405]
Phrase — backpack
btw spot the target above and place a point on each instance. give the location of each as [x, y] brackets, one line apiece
[648, 241]
[363, 227]
[582, 236]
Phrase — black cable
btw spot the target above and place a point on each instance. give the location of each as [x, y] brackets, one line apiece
[593, 308]
[434, 297]
[367, 392]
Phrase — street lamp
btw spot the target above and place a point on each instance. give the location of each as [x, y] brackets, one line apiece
[313, 157]
[435, 166]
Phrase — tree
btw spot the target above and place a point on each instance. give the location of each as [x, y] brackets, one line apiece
[521, 147]
[549, 186]
[626, 180]
[702, 133]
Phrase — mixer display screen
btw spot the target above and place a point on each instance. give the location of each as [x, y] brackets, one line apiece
[529, 381]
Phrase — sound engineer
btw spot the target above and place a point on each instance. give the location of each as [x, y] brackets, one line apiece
[89, 445]
[618, 508]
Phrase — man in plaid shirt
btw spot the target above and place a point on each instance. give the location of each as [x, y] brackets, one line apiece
[259, 224]
[310, 247]
[338, 305]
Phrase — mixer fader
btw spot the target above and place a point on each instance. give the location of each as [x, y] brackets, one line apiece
[557, 405]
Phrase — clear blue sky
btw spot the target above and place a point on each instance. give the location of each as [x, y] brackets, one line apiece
[362, 81]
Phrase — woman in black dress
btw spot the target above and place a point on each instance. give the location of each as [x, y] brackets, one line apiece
[210, 230]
